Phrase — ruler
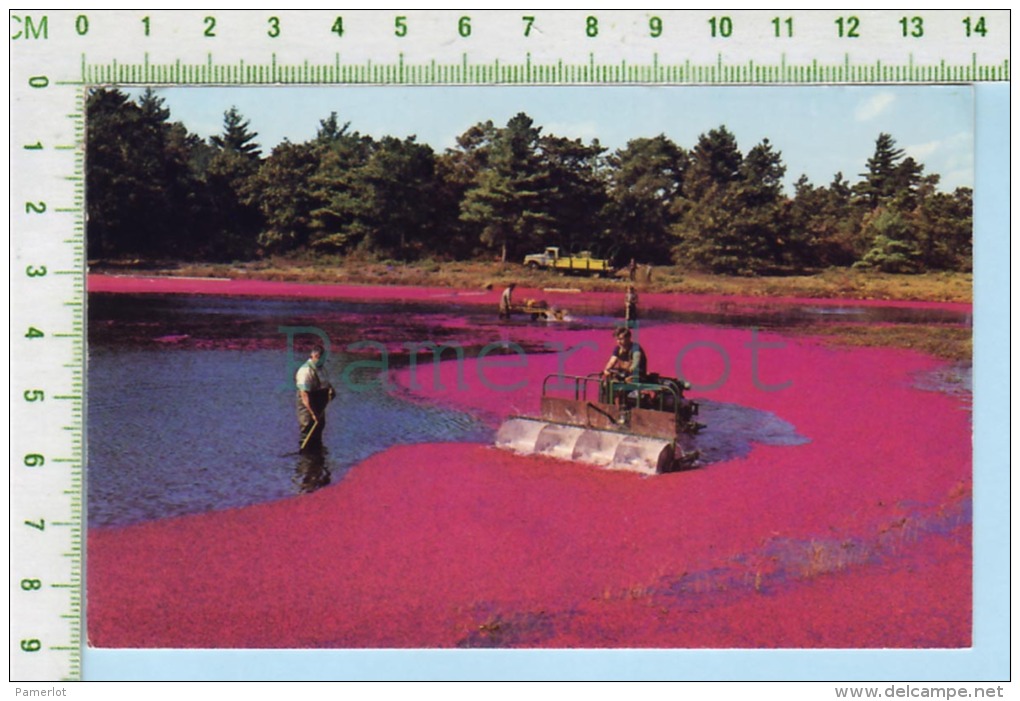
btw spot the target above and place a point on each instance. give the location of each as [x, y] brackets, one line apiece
[57, 55]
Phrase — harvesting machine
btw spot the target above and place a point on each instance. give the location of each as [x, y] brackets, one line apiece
[642, 426]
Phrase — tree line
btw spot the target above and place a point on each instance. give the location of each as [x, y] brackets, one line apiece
[157, 191]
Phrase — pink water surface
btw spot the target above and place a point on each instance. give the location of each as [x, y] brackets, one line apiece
[858, 538]
[99, 282]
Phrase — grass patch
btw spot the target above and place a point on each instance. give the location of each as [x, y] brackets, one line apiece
[948, 342]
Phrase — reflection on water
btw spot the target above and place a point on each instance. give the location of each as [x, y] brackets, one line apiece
[175, 431]
[312, 471]
[242, 323]
[777, 316]
[191, 406]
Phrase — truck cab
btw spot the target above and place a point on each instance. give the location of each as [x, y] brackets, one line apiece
[543, 260]
[581, 264]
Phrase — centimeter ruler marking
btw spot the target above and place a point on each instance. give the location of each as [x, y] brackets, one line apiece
[47, 368]
[56, 56]
[529, 47]
[527, 73]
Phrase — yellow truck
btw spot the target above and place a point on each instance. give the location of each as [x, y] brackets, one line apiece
[582, 263]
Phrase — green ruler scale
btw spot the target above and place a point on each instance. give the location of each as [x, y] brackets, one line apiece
[57, 55]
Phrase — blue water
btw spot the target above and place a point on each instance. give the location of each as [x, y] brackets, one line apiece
[180, 431]
[731, 432]
[177, 431]
[191, 405]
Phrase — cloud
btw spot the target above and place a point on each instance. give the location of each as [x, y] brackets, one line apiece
[959, 146]
[874, 106]
[921, 151]
[586, 131]
[952, 158]
[956, 178]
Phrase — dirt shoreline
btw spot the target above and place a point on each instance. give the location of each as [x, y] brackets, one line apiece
[833, 283]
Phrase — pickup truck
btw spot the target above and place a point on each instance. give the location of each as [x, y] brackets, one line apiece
[582, 263]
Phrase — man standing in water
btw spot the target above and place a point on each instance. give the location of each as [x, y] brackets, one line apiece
[630, 306]
[506, 301]
[314, 392]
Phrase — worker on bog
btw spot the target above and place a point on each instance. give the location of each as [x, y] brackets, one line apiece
[506, 301]
[314, 392]
[628, 361]
[630, 306]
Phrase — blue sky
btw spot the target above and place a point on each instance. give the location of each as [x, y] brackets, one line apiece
[820, 130]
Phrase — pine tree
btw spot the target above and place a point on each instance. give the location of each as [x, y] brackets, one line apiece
[142, 189]
[337, 219]
[715, 160]
[397, 209]
[575, 194]
[645, 191]
[504, 200]
[736, 219]
[883, 178]
[153, 108]
[236, 137]
[330, 129]
[945, 227]
[893, 248]
[235, 220]
[761, 175]
[285, 196]
[823, 225]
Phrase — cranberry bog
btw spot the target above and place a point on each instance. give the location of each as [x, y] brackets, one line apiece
[833, 509]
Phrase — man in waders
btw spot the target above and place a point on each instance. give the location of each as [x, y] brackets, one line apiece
[506, 301]
[630, 306]
[314, 392]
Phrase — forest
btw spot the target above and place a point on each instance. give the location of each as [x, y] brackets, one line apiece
[156, 191]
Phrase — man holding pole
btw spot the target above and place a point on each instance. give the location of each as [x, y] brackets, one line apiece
[314, 392]
[506, 304]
